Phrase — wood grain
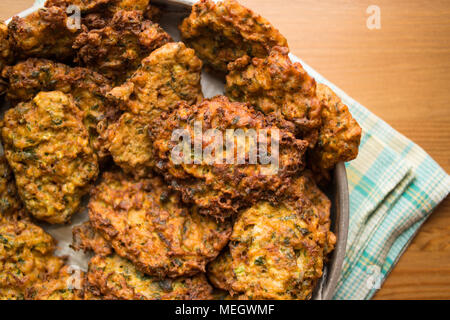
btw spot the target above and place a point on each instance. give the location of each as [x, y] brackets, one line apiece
[402, 74]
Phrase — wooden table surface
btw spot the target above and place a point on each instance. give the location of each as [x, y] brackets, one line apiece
[401, 73]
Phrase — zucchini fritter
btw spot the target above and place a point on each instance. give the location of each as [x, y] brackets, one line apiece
[275, 85]
[66, 285]
[146, 223]
[87, 239]
[168, 75]
[221, 189]
[43, 34]
[222, 32]
[88, 88]
[26, 257]
[5, 46]
[340, 134]
[6, 56]
[116, 278]
[278, 250]
[130, 145]
[97, 14]
[117, 50]
[10, 203]
[48, 149]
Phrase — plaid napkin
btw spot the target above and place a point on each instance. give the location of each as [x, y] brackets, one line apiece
[394, 186]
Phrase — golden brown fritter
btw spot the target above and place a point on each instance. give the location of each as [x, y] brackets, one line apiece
[221, 189]
[153, 13]
[66, 285]
[130, 145]
[223, 32]
[118, 49]
[43, 34]
[6, 55]
[10, 203]
[168, 75]
[278, 250]
[116, 278]
[47, 147]
[147, 224]
[96, 14]
[88, 88]
[26, 257]
[339, 135]
[277, 86]
[221, 295]
[87, 239]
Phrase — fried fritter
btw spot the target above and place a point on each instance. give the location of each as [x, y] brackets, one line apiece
[130, 145]
[221, 189]
[275, 85]
[48, 149]
[83, 5]
[278, 250]
[28, 78]
[96, 14]
[147, 224]
[222, 32]
[26, 257]
[116, 278]
[66, 285]
[339, 135]
[43, 34]
[10, 203]
[6, 56]
[117, 50]
[87, 239]
[168, 75]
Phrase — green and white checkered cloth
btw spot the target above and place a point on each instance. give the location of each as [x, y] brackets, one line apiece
[394, 186]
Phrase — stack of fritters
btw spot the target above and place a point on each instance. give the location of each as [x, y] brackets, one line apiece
[94, 112]
[88, 89]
